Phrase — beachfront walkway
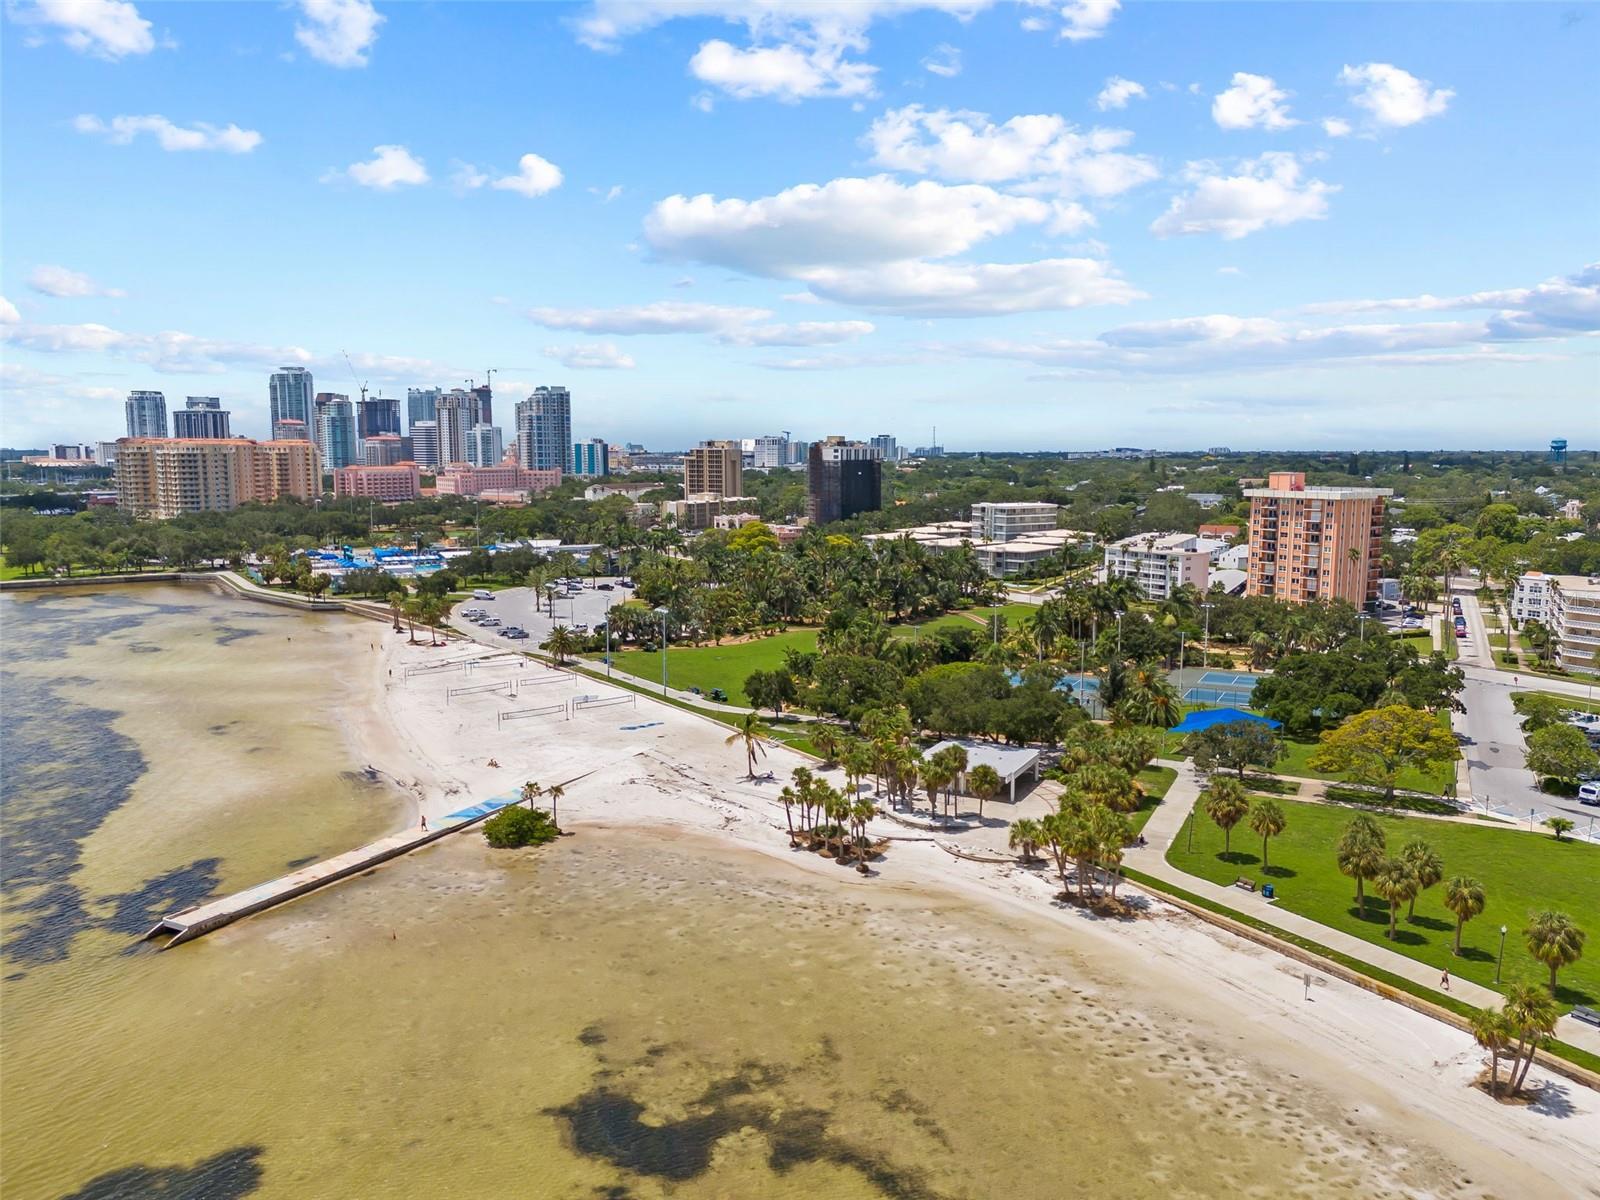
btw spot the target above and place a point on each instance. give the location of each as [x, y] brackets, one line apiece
[1166, 824]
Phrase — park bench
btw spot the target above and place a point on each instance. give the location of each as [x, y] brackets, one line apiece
[1587, 1015]
[1248, 885]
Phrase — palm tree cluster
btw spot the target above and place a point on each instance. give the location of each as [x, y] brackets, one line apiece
[1362, 853]
[887, 754]
[831, 822]
[1514, 1034]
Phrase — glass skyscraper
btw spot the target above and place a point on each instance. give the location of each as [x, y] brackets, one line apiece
[544, 429]
[289, 396]
[420, 403]
[147, 414]
[336, 431]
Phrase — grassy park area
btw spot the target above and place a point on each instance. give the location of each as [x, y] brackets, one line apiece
[1520, 872]
[1575, 703]
[728, 665]
[1155, 781]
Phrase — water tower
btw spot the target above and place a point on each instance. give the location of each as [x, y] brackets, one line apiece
[1558, 450]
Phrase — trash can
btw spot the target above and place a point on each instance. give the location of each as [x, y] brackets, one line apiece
[1267, 891]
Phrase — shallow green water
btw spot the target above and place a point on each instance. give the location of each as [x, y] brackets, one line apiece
[614, 1016]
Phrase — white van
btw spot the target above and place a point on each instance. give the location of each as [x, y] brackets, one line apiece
[482, 594]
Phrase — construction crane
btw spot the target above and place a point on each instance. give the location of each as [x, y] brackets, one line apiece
[354, 378]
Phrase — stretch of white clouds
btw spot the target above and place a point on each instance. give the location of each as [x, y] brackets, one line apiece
[1263, 192]
[63, 283]
[1039, 152]
[109, 29]
[338, 32]
[1392, 97]
[591, 356]
[120, 131]
[729, 324]
[1253, 102]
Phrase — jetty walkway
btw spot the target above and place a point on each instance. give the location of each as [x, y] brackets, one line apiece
[201, 919]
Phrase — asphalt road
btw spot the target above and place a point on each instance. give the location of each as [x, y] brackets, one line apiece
[1494, 747]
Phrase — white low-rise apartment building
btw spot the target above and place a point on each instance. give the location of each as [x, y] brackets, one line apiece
[1008, 520]
[1569, 607]
[1160, 563]
[999, 558]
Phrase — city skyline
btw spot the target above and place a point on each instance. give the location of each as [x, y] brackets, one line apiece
[1035, 227]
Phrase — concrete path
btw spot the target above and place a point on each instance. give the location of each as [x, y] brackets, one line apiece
[1166, 825]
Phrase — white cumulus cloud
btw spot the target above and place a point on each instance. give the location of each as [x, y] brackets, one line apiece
[338, 32]
[109, 29]
[788, 73]
[535, 176]
[799, 333]
[120, 131]
[1336, 127]
[591, 356]
[1082, 20]
[1253, 102]
[1117, 92]
[8, 312]
[388, 168]
[64, 283]
[1264, 192]
[1039, 152]
[1394, 98]
[867, 242]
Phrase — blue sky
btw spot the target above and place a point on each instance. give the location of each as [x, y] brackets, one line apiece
[1032, 225]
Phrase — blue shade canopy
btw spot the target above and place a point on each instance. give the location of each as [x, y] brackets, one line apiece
[1206, 718]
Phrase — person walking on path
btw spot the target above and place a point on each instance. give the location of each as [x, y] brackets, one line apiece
[424, 822]
[1444, 980]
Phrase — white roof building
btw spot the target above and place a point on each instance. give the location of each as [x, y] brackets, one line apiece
[1009, 762]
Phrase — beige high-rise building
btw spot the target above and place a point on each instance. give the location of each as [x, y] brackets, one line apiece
[1311, 543]
[167, 477]
[714, 469]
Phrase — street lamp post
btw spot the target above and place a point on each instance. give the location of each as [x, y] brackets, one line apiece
[608, 637]
[1502, 956]
[1119, 633]
[1361, 623]
[1206, 608]
[662, 613]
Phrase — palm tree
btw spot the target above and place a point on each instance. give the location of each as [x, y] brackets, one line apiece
[836, 808]
[983, 781]
[1395, 882]
[1531, 1013]
[1492, 1031]
[554, 793]
[530, 792]
[561, 642]
[750, 733]
[1465, 897]
[1225, 802]
[1560, 826]
[397, 607]
[1425, 864]
[862, 760]
[788, 798]
[1106, 785]
[1555, 941]
[1359, 853]
[1025, 836]
[861, 812]
[414, 613]
[935, 777]
[1268, 821]
[825, 740]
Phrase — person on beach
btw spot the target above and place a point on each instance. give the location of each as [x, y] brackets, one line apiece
[424, 822]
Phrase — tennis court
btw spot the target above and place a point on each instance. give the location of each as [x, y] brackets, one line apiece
[1228, 688]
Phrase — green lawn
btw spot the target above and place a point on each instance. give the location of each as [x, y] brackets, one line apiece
[1421, 642]
[1521, 872]
[706, 667]
[974, 618]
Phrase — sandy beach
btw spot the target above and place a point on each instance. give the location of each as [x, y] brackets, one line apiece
[1392, 1084]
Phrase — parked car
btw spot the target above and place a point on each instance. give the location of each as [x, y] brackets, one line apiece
[490, 622]
[482, 594]
[1589, 793]
[603, 587]
[718, 694]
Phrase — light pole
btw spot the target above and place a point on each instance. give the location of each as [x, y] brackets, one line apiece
[1119, 633]
[662, 613]
[1206, 608]
[1361, 623]
[608, 636]
[1502, 956]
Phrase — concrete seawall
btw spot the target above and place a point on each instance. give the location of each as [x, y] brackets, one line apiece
[230, 582]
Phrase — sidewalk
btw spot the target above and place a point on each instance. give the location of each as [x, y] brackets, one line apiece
[1166, 824]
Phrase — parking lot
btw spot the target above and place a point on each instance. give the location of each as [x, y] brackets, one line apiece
[579, 609]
